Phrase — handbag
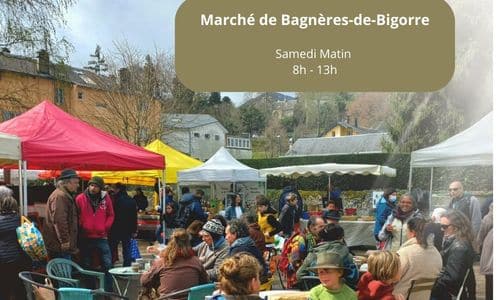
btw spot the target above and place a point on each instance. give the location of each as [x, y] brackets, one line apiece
[31, 241]
[134, 249]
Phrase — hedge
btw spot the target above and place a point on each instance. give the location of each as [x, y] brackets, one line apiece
[474, 178]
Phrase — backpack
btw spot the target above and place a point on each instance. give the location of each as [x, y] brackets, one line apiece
[185, 215]
[292, 256]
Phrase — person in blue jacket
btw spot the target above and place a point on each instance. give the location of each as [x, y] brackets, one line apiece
[384, 207]
[236, 209]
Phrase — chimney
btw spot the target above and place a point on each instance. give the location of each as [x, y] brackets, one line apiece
[355, 122]
[43, 62]
[124, 75]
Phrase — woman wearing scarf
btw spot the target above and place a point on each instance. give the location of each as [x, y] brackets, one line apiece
[394, 230]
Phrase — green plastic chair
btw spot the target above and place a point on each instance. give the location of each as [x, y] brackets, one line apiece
[85, 294]
[32, 280]
[63, 269]
[195, 293]
[200, 291]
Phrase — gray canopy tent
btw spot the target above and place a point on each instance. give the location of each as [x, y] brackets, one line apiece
[471, 147]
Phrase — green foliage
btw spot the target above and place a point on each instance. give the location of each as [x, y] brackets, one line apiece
[33, 25]
[419, 120]
[252, 119]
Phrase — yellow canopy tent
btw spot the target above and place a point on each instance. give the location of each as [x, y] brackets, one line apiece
[174, 161]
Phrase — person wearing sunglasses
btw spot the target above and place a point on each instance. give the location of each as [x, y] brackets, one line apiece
[458, 257]
[467, 204]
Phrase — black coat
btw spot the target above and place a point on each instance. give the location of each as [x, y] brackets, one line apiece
[458, 257]
[125, 223]
[10, 250]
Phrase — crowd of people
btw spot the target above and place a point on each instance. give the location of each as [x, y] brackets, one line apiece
[231, 250]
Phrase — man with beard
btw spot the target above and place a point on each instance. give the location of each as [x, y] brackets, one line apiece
[467, 204]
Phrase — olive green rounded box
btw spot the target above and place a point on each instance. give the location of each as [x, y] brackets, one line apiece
[296, 45]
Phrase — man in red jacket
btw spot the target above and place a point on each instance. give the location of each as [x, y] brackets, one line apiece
[96, 217]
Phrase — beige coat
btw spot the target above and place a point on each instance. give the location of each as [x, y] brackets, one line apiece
[485, 241]
[417, 263]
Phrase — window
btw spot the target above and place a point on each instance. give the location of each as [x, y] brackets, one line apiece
[196, 135]
[216, 137]
[80, 95]
[59, 96]
[207, 136]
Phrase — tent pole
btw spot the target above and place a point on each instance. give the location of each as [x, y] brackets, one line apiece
[329, 186]
[162, 201]
[410, 176]
[21, 192]
[25, 188]
[430, 190]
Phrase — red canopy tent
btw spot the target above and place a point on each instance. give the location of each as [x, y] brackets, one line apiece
[51, 174]
[52, 139]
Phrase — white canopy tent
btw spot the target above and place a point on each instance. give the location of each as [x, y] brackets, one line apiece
[10, 154]
[471, 147]
[221, 167]
[329, 169]
[10, 148]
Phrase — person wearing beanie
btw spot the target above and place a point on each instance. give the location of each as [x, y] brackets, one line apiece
[214, 248]
[96, 217]
[332, 237]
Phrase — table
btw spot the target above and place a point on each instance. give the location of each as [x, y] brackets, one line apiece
[125, 274]
[356, 233]
[284, 294]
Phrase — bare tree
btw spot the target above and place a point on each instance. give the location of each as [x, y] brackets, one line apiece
[33, 25]
[134, 96]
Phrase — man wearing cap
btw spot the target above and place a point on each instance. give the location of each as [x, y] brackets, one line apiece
[332, 237]
[330, 270]
[214, 248]
[96, 217]
[60, 231]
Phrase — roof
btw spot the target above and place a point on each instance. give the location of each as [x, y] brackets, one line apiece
[221, 167]
[471, 147]
[29, 66]
[360, 130]
[53, 139]
[185, 121]
[362, 143]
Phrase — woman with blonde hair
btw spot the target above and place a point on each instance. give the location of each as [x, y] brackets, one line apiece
[239, 278]
[177, 268]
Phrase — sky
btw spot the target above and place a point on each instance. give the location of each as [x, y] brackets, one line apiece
[147, 25]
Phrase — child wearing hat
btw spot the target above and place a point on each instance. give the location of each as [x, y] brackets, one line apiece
[330, 269]
[383, 273]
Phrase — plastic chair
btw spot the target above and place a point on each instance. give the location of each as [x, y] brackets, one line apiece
[200, 291]
[85, 294]
[32, 280]
[195, 293]
[422, 286]
[63, 269]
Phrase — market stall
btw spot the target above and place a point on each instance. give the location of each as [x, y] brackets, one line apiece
[357, 232]
[51, 139]
[223, 174]
[471, 147]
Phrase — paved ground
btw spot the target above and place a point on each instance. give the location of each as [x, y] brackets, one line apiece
[480, 282]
